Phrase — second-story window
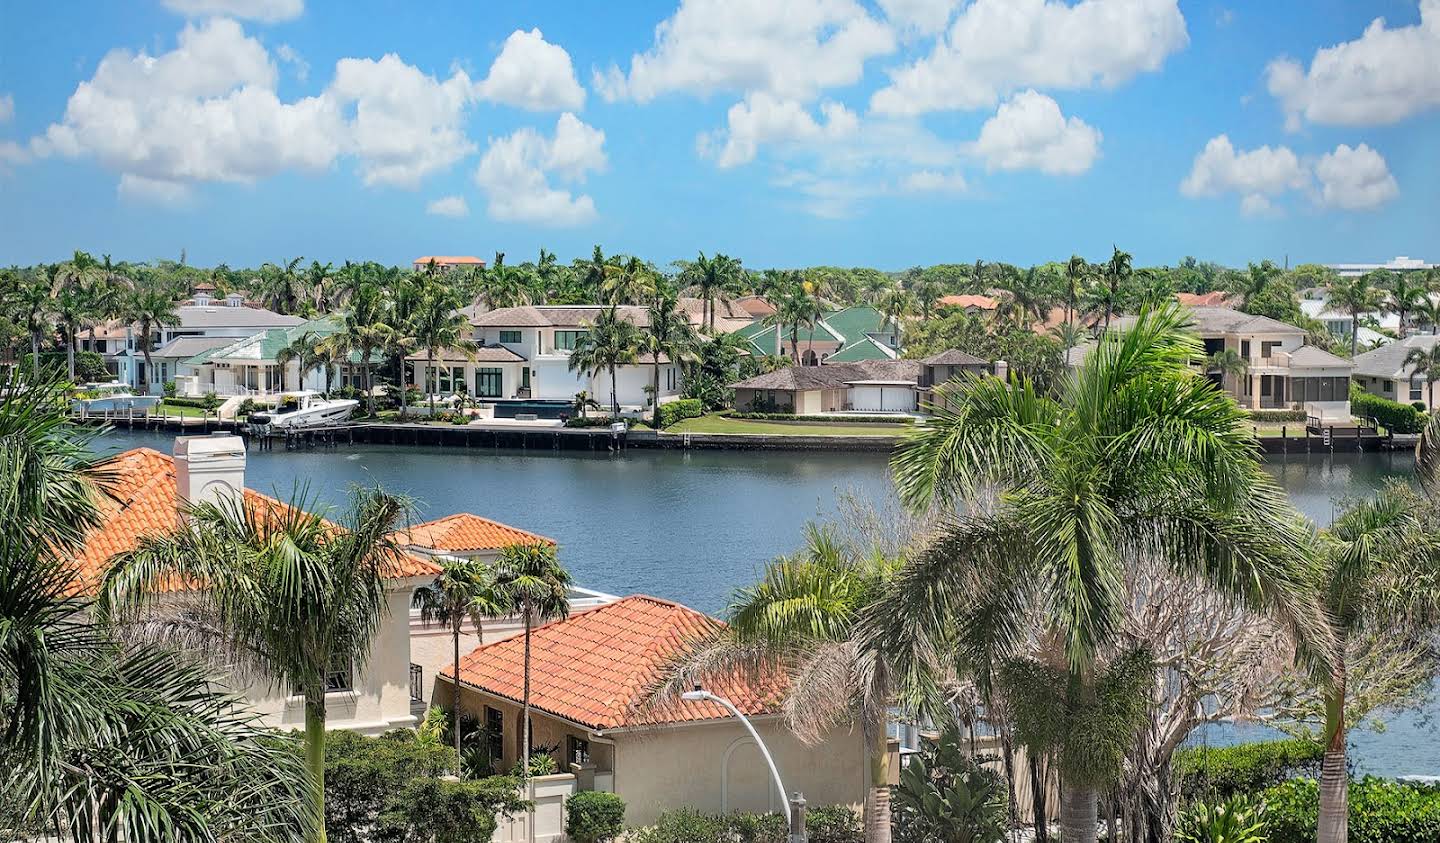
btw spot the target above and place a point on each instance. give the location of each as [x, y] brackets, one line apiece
[510, 336]
[567, 340]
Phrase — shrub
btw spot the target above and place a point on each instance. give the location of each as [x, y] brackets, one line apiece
[434, 811]
[1237, 820]
[683, 826]
[831, 419]
[592, 421]
[1381, 811]
[833, 824]
[1222, 772]
[1420, 407]
[675, 411]
[944, 795]
[168, 389]
[1277, 415]
[542, 763]
[594, 817]
[182, 401]
[245, 409]
[1397, 417]
[361, 772]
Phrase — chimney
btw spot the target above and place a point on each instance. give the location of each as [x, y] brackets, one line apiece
[209, 469]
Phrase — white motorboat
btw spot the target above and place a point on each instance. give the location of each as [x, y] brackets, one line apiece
[112, 397]
[304, 409]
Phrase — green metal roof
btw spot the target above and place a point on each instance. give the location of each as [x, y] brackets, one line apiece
[855, 352]
[267, 344]
[849, 327]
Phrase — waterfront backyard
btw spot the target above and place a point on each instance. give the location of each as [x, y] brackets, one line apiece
[692, 526]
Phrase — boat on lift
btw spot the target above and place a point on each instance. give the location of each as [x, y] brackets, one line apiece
[112, 397]
[297, 410]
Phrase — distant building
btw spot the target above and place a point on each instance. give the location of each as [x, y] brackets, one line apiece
[1399, 264]
[1214, 298]
[849, 335]
[970, 304]
[1383, 371]
[445, 263]
[233, 319]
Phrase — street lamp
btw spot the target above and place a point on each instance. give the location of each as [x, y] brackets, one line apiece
[700, 695]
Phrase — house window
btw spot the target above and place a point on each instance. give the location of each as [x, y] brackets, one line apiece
[577, 751]
[1267, 347]
[510, 336]
[1245, 349]
[489, 383]
[340, 677]
[1389, 386]
[1415, 391]
[495, 732]
[525, 378]
[670, 379]
[567, 340]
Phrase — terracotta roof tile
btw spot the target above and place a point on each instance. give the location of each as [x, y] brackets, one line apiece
[142, 500]
[596, 667]
[463, 531]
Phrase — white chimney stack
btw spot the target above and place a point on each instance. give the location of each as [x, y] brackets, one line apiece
[1002, 370]
[209, 469]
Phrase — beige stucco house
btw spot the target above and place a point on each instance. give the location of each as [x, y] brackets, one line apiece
[589, 686]
[147, 497]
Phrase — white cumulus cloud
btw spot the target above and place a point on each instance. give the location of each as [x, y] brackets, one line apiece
[205, 111]
[920, 17]
[405, 124]
[1382, 77]
[266, 11]
[995, 47]
[515, 173]
[448, 206]
[1355, 179]
[763, 118]
[933, 181]
[1028, 132]
[793, 49]
[533, 74]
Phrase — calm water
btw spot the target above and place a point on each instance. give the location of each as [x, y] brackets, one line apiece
[693, 526]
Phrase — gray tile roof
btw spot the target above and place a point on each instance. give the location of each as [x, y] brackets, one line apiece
[1388, 361]
[221, 316]
[833, 376]
[554, 316]
[184, 347]
[953, 357]
[1223, 320]
[1311, 356]
[492, 353]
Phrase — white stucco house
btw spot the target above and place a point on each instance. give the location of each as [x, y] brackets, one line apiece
[250, 366]
[523, 363]
[230, 318]
[147, 498]
[1383, 372]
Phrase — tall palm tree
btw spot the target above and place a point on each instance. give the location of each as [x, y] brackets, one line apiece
[802, 620]
[436, 324]
[1380, 574]
[283, 286]
[149, 309]
[713, 277]
[530, 579]
[668, 334]
[463, 590]
[632, 282]
[1077, 278]
[35, 306]
[895, 305]
[73, 279]
[1117, 271]
[1429, 312]
[1355, 296]
[1425, 362]
[1403, 295]
[1136, 453]
[295, 596]
[309, 350]
[609, 343]
[364, 331]
[1228, 363]
[792, 308]
[502, 286]
[594, 272]
[100, 741]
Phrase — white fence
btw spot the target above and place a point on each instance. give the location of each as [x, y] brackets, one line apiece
[549, 795]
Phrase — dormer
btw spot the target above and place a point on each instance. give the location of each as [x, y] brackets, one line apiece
[201, 299]
[234, 300]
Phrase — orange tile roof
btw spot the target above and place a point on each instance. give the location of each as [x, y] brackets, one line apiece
[463, 531]
[596, 667]
[981, 302]
[141, 499]
[1214, 298]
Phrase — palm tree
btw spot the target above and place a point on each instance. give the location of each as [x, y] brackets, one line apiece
[530, 579]
[1136, 453]
[464, 589]
[1228, 363]
[295, 596]
[713, 278]
[1077, 278]
[594, 272]
[1429, 312]
[149, 309]
[1380, 574]
[895, 305]
[1117, 271]
[630, 283]
[436, 324]
[1426, 362]
[1068, 334]
[36, 308]
[1355, 296]
[101, 739]
[668, 334]
[609, 343]
[582, 403]
[282, 286]
[802, 620]
[73, 279]
[309, 350]
[364, 331]
[1403, 296]
[792, 308]
[501, 285]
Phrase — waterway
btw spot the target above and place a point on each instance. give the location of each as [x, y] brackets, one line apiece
[693, 526]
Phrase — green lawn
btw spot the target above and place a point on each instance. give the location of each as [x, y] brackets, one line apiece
[722, 424]
[172, 410]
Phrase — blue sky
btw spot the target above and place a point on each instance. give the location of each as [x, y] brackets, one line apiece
[886, 133]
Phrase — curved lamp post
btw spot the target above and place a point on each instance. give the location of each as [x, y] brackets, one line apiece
[699, 695]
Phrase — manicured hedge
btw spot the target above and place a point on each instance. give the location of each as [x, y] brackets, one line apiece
[1397, 417]
[1278, 415]
[1381, 811]
[833, 824]
[205, 402]
[831, 419]
[595, 421]
[675, 411]
[594, 817]
[1218, 773]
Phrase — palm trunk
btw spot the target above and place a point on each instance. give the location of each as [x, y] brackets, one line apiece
[35, 354]
[1354, 332]
[614, 396]
[1007, 750]
[1334, 783]
[455, 688]
[429, 378]
[315, 758]
[70, 352]
[655, 393]
[1079, 814]
[149, 367]
[525, 740]
[1040, 808]
[877, 796]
